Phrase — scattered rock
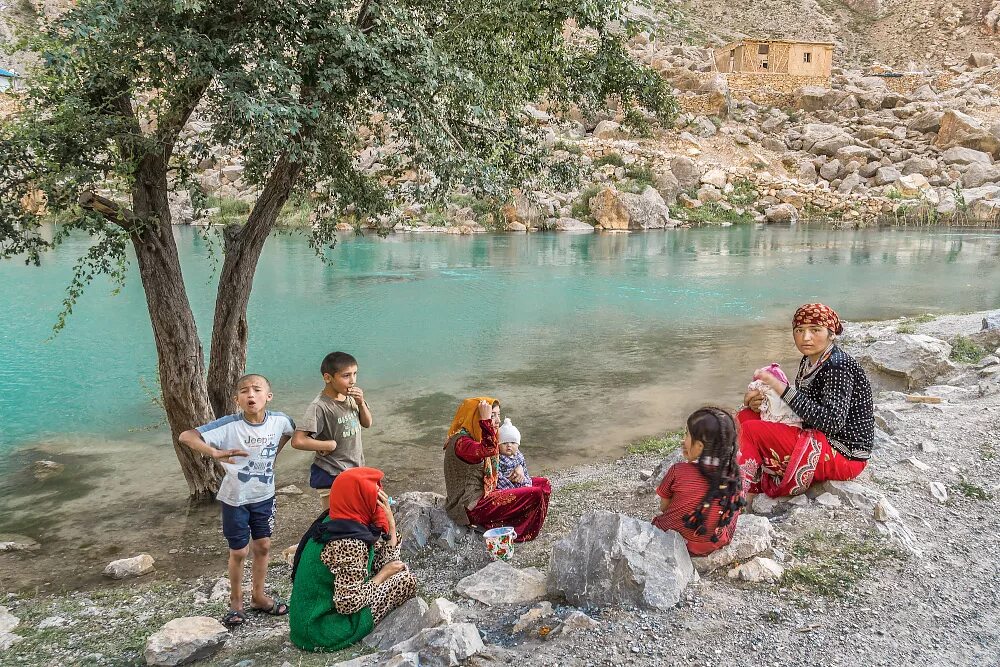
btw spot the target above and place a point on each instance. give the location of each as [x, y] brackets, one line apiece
[827, 499]
[533, 615]
[752, 536]
[763, 504]
[441, 611]
[758, 570]
[572, 225]
[857, 495]
[576, 620]
[446, 646]
[917, 463]
[501, 583]
[939, 492]
[290, 490]
[53, 622]
[288, 554]
[12, 542]
[607, 129]
[185, 640]
[7, 624]
[823, 139]
[220, 590]
[126, 568]
[43, 470]
[399, 625]
[616, 559]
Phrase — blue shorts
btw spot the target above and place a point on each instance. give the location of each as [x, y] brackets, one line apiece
[253, 520]
[319, 478]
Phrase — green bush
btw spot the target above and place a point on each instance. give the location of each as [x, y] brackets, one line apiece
[581, 207]
[966, 351]
[710, 213]
[744, 193]
[640, 172]
[611, 158]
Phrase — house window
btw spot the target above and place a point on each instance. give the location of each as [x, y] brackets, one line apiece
[763, 64]
[807, 57]
[762, 50]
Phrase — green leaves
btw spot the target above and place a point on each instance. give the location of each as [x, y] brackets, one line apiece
[433, 90]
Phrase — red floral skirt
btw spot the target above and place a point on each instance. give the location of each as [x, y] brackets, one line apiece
[523, 509]
[782, 460]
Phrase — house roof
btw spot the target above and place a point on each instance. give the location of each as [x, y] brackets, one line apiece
[8, 74]
[765, 40]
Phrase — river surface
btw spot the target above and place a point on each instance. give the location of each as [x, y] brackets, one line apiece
[590, 342]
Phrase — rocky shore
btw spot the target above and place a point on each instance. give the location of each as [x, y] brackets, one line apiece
[896, 567]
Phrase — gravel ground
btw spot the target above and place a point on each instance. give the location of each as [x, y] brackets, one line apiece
[849, 595]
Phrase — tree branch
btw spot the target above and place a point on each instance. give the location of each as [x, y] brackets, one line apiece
[110, 209]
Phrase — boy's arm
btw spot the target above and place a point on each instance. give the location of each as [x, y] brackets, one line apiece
[192, 438]
[305, 442]
[364, 413]
[281, 443]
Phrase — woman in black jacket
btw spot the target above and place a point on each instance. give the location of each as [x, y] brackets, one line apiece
[834, 399]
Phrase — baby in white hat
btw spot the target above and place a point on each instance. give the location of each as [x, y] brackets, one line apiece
[513, 470]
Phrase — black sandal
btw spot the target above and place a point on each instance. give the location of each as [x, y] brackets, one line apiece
[277, 608]
[234, 618]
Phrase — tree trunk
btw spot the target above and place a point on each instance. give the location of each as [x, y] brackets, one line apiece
[243, 245]
[181, 358]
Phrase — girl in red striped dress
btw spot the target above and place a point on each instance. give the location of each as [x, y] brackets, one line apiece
[701, 497]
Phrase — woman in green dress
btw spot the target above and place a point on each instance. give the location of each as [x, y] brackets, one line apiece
[347, 574]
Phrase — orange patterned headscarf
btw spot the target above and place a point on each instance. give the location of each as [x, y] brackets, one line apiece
[467, 417]
[816, 314]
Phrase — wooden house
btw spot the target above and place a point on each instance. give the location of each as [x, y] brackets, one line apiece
[776, 56]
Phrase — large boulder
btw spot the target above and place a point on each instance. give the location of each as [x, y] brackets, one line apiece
[959, 129]
[824, 139]
[909, 362]
[616, 559]
[573, 225]
[686, 171]
[717, 99]
[126, 568]
[445, 646]
[501, 583]
[399, 625]
[928, 121]
[965, 156]
[782, 213]
[811, 98]
[752, 536]
[420, 517]
[978, 175]
[623, 210]
[185, 640]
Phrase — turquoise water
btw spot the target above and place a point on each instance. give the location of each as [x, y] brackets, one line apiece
[589, 340]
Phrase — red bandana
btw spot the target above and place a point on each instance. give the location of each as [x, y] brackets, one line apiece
[816, 314]
[354, 496]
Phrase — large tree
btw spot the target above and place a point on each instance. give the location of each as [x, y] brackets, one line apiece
[296, 88]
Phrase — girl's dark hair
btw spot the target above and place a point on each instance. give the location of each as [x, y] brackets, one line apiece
[716, 430]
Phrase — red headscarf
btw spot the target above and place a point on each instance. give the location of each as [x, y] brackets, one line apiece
[354, 496]
[816, 314]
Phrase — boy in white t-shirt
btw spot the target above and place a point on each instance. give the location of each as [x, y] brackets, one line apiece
[246, 444]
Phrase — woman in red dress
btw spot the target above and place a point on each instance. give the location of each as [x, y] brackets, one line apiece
[834, 399]
[471, 464]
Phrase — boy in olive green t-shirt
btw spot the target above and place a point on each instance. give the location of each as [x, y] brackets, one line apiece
[332, 423]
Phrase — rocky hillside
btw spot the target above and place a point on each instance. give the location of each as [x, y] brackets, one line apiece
[902, 33]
